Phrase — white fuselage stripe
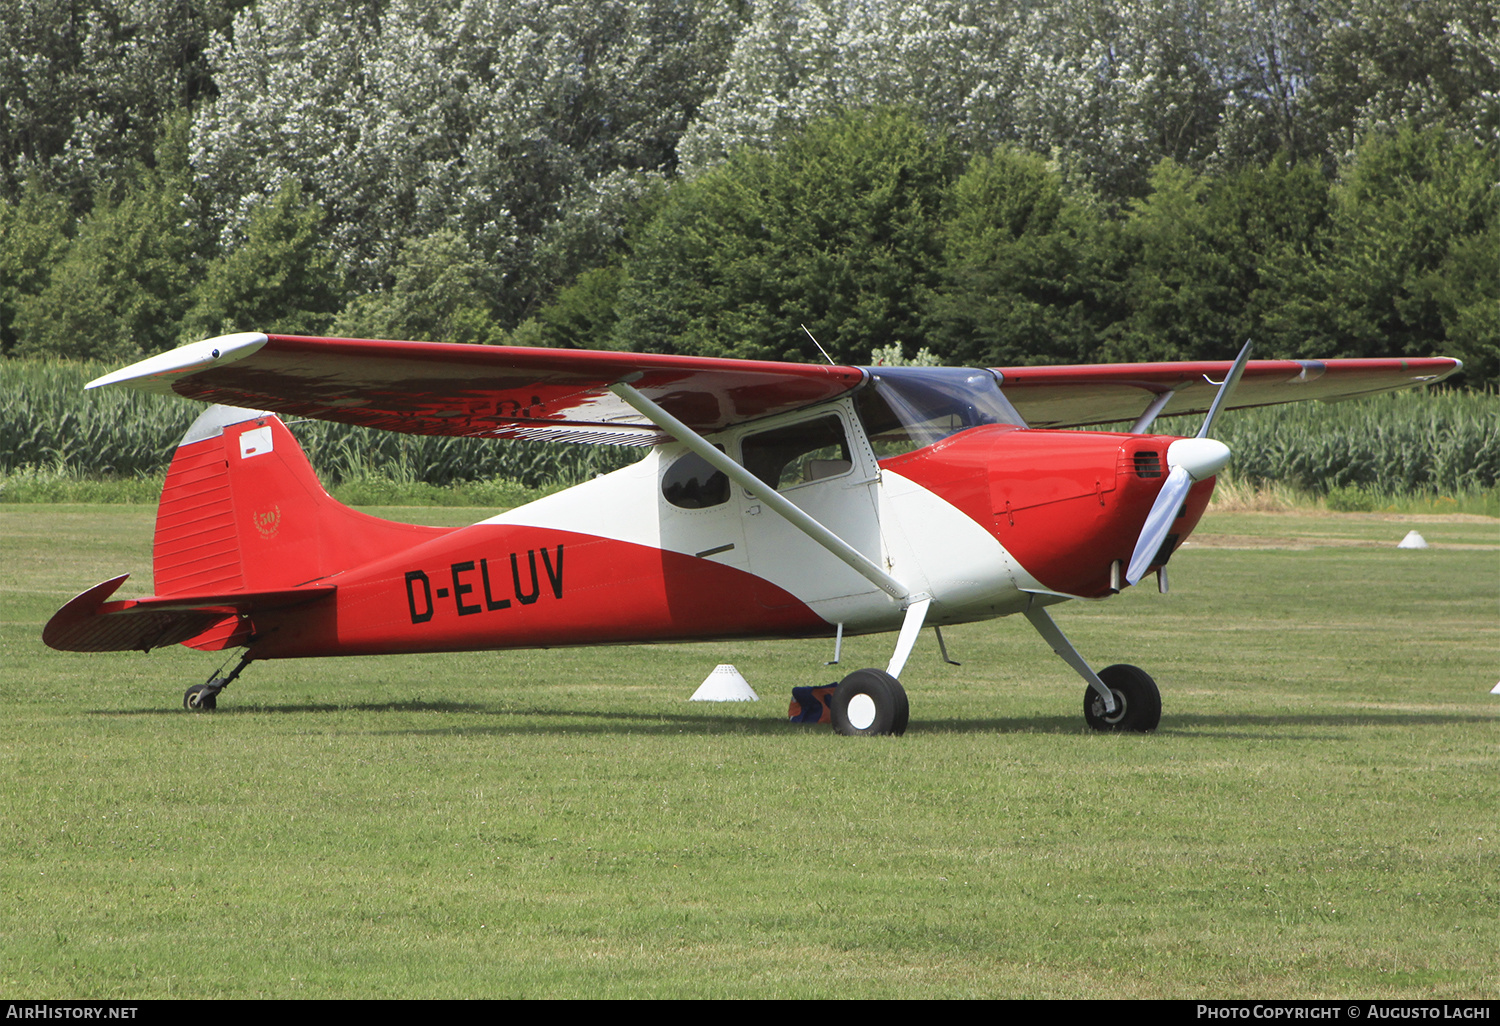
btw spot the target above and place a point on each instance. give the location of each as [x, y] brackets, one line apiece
[927, 543]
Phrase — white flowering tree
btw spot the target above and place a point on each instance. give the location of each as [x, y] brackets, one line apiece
[86, 84]
[798, 60]
[484, 118]
[1109, 87]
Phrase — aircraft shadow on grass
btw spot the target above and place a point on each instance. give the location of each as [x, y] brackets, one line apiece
[540, 720]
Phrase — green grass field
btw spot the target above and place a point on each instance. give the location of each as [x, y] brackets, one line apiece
[1317, 816]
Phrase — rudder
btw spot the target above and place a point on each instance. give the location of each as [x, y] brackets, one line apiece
[242, 510]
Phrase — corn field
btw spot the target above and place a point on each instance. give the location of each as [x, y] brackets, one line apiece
[47, 420]
[1408, 442]
[1443, 442]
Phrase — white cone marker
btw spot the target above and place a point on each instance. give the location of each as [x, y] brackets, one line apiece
[725, 684]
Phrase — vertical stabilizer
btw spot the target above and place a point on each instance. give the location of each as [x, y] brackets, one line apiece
[242, 510]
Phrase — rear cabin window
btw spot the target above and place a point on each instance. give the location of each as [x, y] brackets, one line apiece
[691, 483]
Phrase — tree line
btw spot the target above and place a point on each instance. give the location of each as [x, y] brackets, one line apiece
[999, 183]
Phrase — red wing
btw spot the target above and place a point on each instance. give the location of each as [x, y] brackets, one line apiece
[1051, 397]
[435, 388]
[563, 394]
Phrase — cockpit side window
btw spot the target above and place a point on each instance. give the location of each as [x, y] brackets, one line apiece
[811, 450]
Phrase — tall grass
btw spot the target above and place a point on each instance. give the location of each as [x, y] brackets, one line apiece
[1235, 495]
[57, 483]
[1438, 442]
[48, 421]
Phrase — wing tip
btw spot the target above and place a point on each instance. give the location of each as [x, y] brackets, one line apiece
[156, 373]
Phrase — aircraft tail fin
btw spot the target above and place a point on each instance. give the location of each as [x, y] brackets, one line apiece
[242, 511]
[244, 527]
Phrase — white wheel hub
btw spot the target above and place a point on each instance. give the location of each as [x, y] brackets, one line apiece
[861, 712]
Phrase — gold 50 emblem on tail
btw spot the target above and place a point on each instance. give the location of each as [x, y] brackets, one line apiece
[268, 522]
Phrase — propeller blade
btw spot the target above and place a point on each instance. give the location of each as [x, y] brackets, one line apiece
[1230, 380]
[1191, 460]
[1159, 522]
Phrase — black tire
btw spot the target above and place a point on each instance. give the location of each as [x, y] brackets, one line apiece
[196, 701]
[878, 704]
[1136, 696]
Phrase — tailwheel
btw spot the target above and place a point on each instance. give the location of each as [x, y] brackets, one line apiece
[201, 698]
[870, 702]
[205, 696]
[1137, 700]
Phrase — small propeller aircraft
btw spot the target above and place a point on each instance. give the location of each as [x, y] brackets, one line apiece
[777, 500]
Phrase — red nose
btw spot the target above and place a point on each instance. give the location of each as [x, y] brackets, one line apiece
[1066, 504]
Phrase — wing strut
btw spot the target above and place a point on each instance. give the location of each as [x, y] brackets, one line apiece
[848, 554]
[1149, 414]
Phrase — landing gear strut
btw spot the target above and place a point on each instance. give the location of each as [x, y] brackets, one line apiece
[871, 702]
[1118, 697]
[205, 697]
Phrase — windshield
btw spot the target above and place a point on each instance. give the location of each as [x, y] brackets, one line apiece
[907, 408]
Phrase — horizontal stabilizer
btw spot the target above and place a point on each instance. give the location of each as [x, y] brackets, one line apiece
[91, 623]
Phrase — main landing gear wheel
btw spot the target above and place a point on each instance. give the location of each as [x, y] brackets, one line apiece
[1137, 700]
[200, 698]
[870, 702]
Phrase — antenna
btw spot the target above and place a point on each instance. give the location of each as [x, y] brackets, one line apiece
[819, 345]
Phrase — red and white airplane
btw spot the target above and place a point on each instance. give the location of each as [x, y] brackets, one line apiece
[776, 500]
